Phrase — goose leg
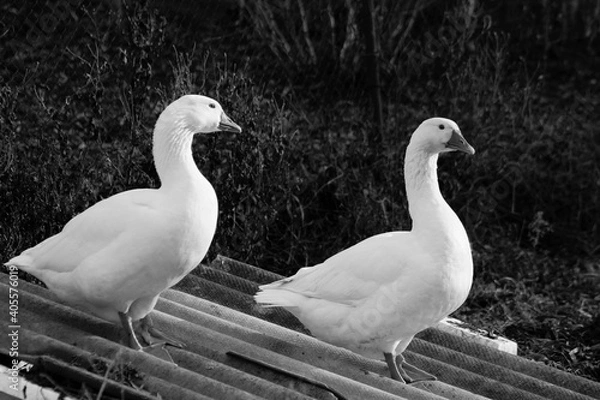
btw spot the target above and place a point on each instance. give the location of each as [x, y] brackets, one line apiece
[130, 338]
[151, 334]
[397, 373]
[417, 374]
[156, 349]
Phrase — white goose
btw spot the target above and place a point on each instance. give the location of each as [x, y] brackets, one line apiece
[116, 257]
[376, 295]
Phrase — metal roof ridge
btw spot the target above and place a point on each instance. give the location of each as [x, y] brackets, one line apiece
[219, 318]
[522, 385]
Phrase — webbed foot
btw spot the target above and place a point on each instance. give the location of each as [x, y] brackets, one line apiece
[397, 366]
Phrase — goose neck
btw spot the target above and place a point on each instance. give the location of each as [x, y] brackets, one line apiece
[425, 201]
[172, 150]
[420, 174]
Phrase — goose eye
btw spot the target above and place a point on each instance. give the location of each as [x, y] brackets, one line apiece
[212, 105]
[441, 126]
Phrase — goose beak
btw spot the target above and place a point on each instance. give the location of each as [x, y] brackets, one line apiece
[458, 142]
[227, 125]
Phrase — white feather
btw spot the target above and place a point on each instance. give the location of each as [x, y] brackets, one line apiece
[121, 253]
[376, 295]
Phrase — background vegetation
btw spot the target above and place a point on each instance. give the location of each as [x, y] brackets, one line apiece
[81, 85]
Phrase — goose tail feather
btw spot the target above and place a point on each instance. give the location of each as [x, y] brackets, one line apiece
[23, 261]
[268, 297]
[26, 263]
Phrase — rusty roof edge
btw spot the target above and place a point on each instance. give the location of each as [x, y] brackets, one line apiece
[459, 328]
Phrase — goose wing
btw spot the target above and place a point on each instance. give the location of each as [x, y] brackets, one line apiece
[357, 272]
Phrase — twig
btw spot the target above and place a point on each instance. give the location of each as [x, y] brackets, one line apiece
[400, 46]
[309, 45]
[105, 378]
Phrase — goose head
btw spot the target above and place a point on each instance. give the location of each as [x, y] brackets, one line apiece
[440, 135]
[199, 114]
[174, 132]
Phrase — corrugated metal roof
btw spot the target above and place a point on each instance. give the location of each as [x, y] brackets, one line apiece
[237, 350]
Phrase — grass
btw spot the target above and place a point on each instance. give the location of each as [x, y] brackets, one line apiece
[77, 106]
[86, 378]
